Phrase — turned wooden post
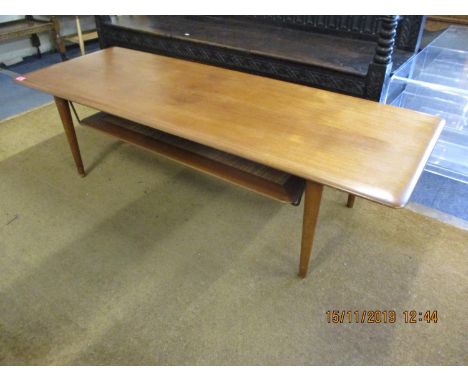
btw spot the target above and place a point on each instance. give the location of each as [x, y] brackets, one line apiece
[381, 65]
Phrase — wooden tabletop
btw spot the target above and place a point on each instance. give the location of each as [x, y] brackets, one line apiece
[369, 149]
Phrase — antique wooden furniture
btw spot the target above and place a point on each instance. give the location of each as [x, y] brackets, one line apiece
[30, 27]
[435, 23]
[348, 54]
[80, 37]
[320, 137]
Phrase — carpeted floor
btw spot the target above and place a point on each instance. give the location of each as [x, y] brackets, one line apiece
[146, 262]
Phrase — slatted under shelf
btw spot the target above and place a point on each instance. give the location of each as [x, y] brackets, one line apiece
[253, 176]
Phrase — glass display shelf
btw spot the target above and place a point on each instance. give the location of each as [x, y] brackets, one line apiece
[435, 81]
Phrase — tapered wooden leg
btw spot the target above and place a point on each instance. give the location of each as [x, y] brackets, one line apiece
[312, 197]
[67, 121]
[351, 199]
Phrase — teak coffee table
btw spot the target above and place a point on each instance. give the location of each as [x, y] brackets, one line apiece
[270, 136]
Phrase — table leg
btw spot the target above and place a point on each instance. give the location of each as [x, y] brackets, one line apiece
[312, 197]
[67, 121]
[351, 199]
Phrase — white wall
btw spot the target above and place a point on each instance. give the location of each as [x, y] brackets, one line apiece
[14, 50]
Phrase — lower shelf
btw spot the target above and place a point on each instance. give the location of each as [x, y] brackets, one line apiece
[267, 181]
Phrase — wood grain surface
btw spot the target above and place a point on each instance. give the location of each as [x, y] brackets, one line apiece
[369, 149]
